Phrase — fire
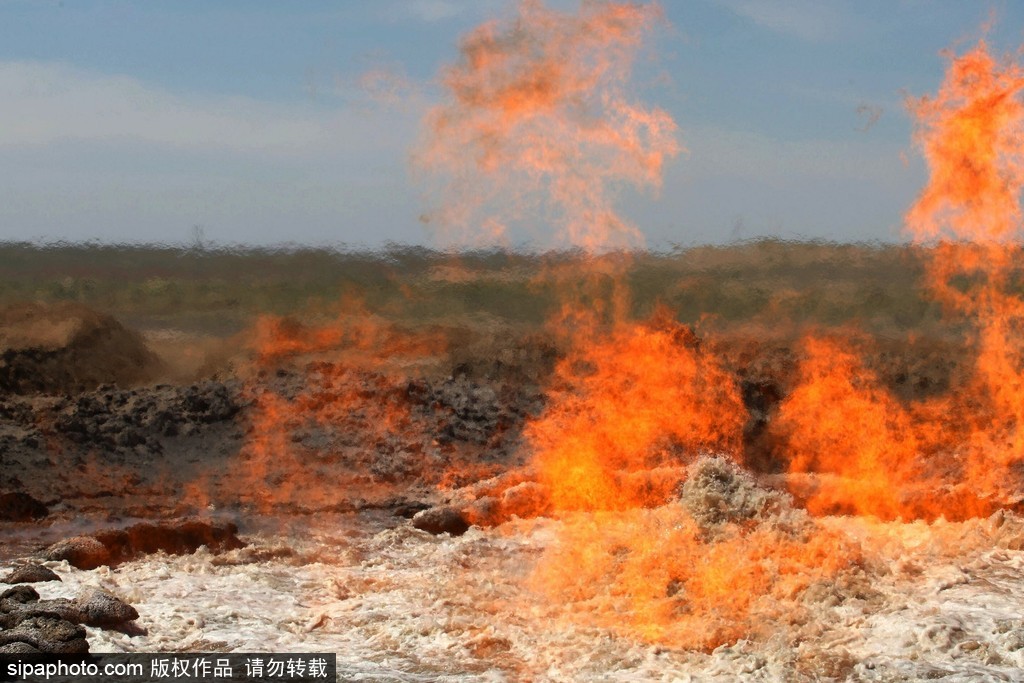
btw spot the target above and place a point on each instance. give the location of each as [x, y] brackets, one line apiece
[537, 118]
[953, 455]
[633, 408]
[349, 375]
[538, 123]
[663, 575]
[972, 134]
[840, 421]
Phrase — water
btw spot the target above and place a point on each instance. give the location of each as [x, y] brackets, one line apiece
[397, 604]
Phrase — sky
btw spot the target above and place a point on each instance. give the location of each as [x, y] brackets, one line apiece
[260, 121]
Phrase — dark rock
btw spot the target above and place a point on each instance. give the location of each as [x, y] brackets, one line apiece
[47, 634]
[18, 648]
[443, 519]
[30, 573]
[16, 506]
[12, 613]
[98, 608]
[760, 396]
[22, 612]
[19, 595]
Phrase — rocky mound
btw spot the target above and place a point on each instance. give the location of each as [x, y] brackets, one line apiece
[68, 347]
[30, 625]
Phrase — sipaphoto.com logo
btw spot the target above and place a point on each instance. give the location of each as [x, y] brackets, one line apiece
[138, 667]
[70, 668]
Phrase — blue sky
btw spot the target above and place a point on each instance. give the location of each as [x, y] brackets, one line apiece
[137, 120]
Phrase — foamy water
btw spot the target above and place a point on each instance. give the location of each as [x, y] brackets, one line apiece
[398, 604]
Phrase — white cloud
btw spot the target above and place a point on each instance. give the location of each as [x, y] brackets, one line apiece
[88, 155]
[43, 103]
[811, 20]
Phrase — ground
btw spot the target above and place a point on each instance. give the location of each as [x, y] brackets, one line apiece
[323, 416]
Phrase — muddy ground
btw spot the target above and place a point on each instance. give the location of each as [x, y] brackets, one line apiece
[323, 462]
[132, 447]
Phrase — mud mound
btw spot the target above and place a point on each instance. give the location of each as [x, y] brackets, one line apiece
[67, 347]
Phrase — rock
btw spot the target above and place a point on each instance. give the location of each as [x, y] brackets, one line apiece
[30, 573]
[485, 511]
[19, 595]
[18, 648]
[46, 634]
[526, 500]
[443, 519]
[28, 624]
[16, 506]
[99, 608]
[83, 552]
[12, 614]
[114, 546]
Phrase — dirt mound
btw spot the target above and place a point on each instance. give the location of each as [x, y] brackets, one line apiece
[67, 347]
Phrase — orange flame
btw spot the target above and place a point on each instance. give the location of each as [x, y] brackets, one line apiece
[653, 575]
[630, 412]
[972, 134]
[538, 120]
[965, 448]
[324, 395]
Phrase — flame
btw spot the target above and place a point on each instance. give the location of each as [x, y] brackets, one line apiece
[652, 574]
[631, 410]
[537, 121]
[327, 394]
[972, 134]
[964, 448]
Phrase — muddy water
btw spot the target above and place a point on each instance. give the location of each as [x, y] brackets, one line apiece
[398, 604]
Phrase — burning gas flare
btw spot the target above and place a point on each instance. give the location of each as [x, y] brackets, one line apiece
[635, 407]
[959, 454]
[537, 123]
[320, 379]
[972, 134]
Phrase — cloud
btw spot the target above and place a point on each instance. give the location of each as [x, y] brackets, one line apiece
[815, 21]
[43, 103]
[90, 155]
